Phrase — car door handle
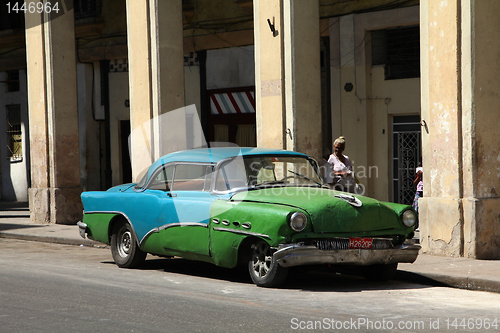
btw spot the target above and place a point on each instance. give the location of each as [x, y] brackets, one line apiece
[172, 195]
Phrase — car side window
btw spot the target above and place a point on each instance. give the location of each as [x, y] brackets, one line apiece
[163, 179]
[192, 177]
[232, 174]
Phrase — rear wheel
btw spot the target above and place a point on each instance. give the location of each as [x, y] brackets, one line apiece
[263, 269]
[124, 248]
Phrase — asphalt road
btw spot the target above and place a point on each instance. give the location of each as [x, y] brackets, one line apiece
[62, 288]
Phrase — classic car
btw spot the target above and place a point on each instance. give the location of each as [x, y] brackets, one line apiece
[263, 208]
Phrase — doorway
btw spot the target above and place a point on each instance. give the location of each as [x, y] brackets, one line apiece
[407, 153]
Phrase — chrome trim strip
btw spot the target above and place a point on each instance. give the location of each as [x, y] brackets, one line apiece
[107, 212]
[242, 232]
[172, 225]
[116, 212]
[183, 224]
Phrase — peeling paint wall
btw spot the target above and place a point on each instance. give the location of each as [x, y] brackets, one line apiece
[460, 100]
[364, 115]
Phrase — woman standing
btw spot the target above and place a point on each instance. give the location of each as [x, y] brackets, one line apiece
[343, 175]
[419, 193]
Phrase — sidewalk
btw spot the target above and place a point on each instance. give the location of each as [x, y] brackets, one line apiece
[427, 269]
[15, 223]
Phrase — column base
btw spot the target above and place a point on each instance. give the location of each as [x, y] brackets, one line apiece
[482, 228]
[55, 205]
[440, 224]
[460, 227]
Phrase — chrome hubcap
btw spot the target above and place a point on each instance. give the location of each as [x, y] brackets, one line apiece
[124, 243]
[262, 259]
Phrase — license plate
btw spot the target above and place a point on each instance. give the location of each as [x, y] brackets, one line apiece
[360, 243]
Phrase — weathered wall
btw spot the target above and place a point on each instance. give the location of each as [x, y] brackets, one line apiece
[364, 115]
[480, 124]
[461, 214]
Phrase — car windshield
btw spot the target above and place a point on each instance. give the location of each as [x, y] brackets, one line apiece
[266, 171]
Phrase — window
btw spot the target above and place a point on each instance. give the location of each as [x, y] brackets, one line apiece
[13, 81]
[266, 170]
[399, 50]
[183, 177]
[163, 179]
[87, 8]
[14, 133]
[192, 177]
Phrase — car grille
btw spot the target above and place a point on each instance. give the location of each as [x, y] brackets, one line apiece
[343, 243]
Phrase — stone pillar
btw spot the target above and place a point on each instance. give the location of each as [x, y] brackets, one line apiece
[287, 75]
[480, 125]
[269, 74]
[167, 63]
[156, 73]
[459, 214]
[139, 60]
[302, 77]
[54, 196]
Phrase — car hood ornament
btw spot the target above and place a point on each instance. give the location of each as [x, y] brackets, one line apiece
[352, 200]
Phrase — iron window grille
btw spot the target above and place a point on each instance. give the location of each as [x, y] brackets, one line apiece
[399, 50]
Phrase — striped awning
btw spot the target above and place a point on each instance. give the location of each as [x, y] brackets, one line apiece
[232, 102]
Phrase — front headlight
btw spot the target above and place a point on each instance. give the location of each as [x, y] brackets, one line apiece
[409, 218]
[298, 221]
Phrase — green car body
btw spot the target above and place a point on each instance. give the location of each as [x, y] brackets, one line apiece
[266, 208]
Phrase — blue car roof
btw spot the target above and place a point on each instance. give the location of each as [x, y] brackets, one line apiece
[215, 155]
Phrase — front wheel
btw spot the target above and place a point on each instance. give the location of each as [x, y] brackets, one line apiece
[124, 248]
[263, 269]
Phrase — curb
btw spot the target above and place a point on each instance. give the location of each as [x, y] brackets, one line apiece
[441, 280]
[56, 240]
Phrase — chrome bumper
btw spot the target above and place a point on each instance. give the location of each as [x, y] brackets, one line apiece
[82, 228]
[289, 255]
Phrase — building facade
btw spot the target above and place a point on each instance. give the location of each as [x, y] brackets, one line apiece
[401, 80]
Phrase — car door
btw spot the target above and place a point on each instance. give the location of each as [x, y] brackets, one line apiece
[187, 211]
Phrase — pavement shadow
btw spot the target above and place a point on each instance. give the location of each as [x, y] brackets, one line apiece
[14, 226]
[421, 279]
[317, 279]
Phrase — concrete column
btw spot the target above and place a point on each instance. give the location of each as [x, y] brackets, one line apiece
[480, 124]
[302, 77]
[167, 62]
[269, 76]
[54, 196]
[287, 75]
[459, 215]
[139, 59]
[156, 75]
